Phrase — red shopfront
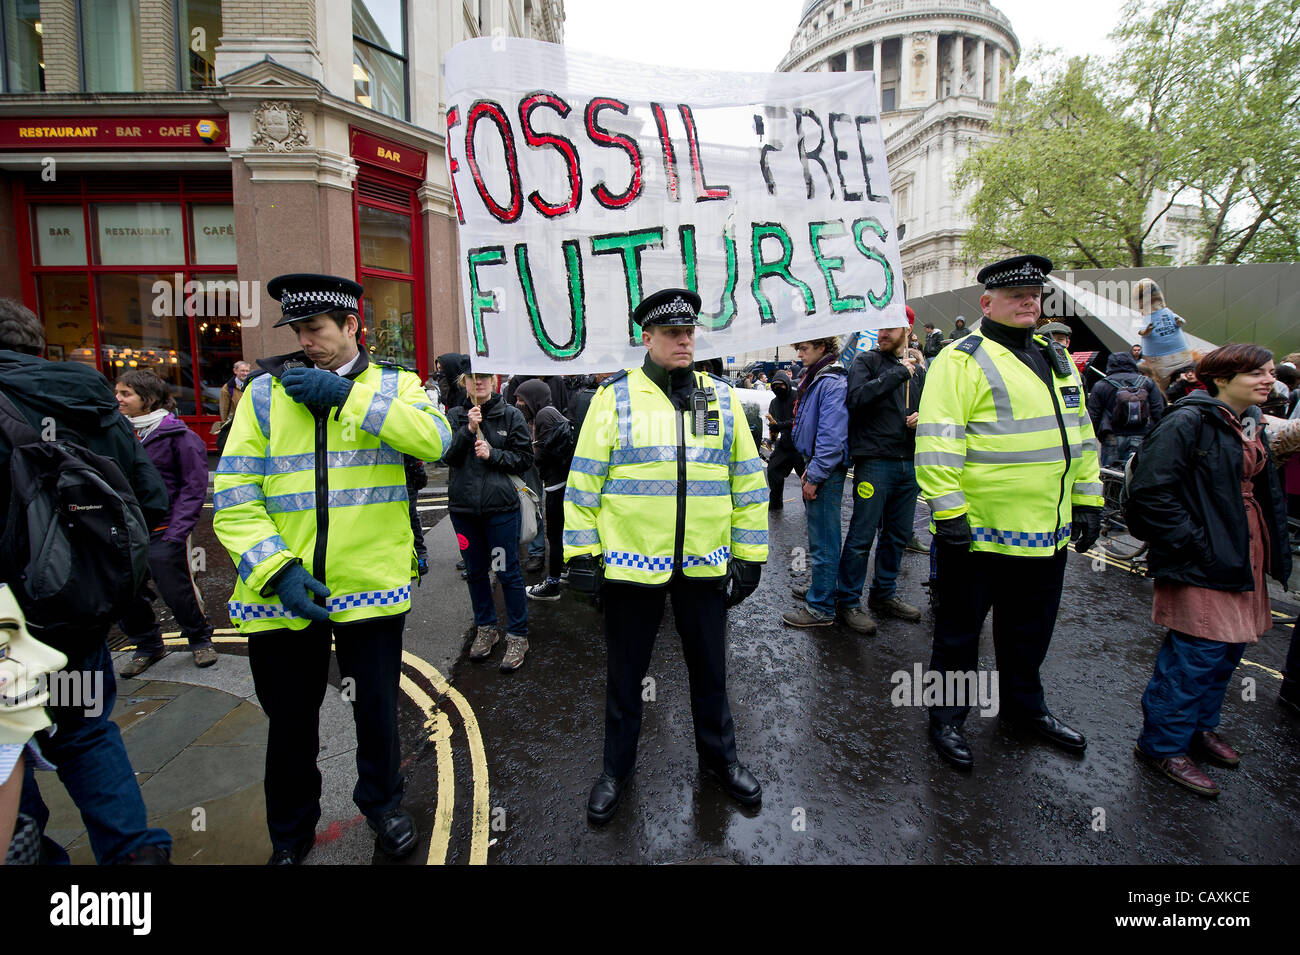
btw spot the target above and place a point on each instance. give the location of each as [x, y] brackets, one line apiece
[133, 268]
[390, 249]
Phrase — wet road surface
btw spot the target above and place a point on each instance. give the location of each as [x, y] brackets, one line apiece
[847, 776]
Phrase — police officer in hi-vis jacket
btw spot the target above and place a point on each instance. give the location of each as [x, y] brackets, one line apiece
[666, 495]
[1007, 460]
[311, 502]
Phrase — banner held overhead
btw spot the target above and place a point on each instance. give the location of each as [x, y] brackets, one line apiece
[582, 184]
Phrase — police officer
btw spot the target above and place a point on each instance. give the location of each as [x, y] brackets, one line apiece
[311, 502]
[1007, 460]
[666, 490]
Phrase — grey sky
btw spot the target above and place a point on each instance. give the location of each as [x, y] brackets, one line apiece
[753, 35]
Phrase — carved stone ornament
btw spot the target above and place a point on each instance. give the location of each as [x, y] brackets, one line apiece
[278, 127]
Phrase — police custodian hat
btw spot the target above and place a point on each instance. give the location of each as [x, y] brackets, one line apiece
[305, 295]
[670, 306]
[1015, 272]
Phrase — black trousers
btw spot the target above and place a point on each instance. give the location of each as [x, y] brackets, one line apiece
[784, 460]
[555, 531]
[169, 565]
[1024, 594]
[632, 618]
[290, 671]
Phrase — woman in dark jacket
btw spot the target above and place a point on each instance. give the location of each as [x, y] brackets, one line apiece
[1205, 495]
[489, 442]
[182, 460]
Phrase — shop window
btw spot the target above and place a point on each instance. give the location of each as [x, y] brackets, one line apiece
[138, 330]
[60, 235]
[137, 233]
[198, 26]
[63, 304]
[215, 315]
[389, 321]
[24, 57]
[379, 64]
[110, 58]
[213, 234]
[385, 239]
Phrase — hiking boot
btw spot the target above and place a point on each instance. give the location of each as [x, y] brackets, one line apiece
[205, 656]
[894, 607]
[1211, 745]
[516, 647]
[139, 663]
[855, 618]
[549, 589]
[803, 617]
[485, 638]
[1182, 771]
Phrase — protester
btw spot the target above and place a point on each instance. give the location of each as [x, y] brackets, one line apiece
[884, 397]
[553, 443]
[1124, 407]
[448, 370]
[1136, 353]
[933, 341]
[325, 559]
[580, 400]
[88, 750]
[1182, 382]
[227, 399]
[685, 519]
[1007, 460]
[780, 424]
[821, 424]
[1206, 498]
[490, 442]
[959, 329]
[182, 460]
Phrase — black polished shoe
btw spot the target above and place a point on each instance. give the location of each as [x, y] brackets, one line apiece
[293, 855]
[396, 833]
[738, 781]
[1050, 728]
[950, 741]
[604, 798]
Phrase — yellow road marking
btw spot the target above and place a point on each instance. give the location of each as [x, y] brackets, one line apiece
[478, 757]
[439, 734]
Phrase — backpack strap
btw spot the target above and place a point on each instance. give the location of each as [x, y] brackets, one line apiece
[15, 427]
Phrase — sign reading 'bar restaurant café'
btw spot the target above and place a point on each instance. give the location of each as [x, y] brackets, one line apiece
[114, 132]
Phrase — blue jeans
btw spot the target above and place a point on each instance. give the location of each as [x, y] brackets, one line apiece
[491, 542]
[93, 767]
[1186, 692]
[884, 499]
[1116, 449]
[824, 538]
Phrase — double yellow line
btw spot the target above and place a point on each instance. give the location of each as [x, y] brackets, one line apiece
[440, 734]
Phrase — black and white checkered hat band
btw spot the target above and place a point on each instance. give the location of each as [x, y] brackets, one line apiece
[678, 306]
[295, 300]
[1024, 274]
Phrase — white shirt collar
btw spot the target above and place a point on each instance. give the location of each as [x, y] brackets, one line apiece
[347, 367]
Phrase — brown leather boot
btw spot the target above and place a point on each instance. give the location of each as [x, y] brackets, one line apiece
[1184, 772]
[1213, 748]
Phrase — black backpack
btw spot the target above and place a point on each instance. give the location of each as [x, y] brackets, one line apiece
[75, 546]
[1132, 404]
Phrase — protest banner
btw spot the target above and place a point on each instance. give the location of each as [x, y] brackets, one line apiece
[582, 184]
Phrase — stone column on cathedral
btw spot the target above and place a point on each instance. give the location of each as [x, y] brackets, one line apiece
[979, 69]
[875, 58]
[997, 74]
[954, 64]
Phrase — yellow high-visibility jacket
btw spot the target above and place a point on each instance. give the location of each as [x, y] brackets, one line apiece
[330, 491]
[644, 493]
[993, 442]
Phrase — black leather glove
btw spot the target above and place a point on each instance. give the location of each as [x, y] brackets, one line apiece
[586, 576]
[953, 533]
[742, 580]
[1085, 527]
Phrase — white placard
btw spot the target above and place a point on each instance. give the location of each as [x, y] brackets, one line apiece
[583, 184]
[144, 233]
[60, 235]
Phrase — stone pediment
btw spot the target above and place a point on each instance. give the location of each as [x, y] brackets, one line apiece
[266, 78]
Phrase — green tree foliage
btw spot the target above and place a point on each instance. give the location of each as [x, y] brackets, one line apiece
[1200, 106]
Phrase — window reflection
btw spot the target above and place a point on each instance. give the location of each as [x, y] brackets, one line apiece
[133, 336]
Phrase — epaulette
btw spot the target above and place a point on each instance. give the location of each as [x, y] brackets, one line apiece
[970, 344]
[391, 364]
[613, 378]
[255, 373]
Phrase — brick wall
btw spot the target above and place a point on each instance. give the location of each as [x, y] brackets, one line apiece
[59, 46]
[254, 18]
[158, 44]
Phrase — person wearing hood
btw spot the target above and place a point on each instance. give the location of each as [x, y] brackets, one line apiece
[1124, 407]
[449, 368]
[490, 443]
[552, 452]
[780, 424]
[1205, 495]
[959, 329]
[88, 749]
[310, 501]
[180, 457]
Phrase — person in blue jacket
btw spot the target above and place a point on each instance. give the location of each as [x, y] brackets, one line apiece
[821, 436]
